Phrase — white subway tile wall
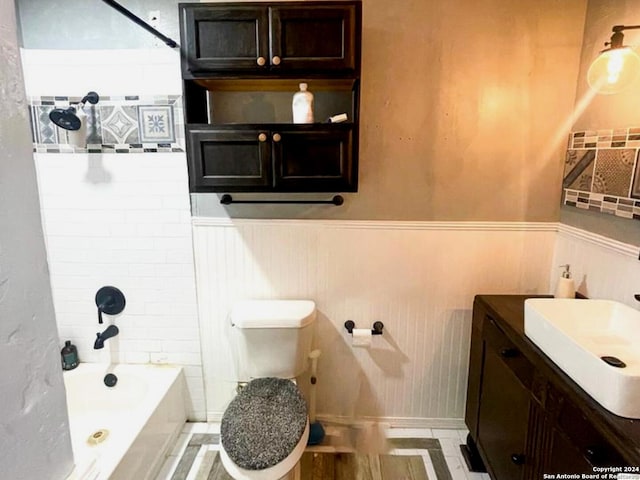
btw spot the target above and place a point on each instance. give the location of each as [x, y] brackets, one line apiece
[124, 220]
[108, 72]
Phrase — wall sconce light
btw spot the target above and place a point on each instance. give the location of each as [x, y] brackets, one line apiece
[616, 67]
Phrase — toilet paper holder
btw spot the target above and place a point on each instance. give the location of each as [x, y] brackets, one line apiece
[376, 330]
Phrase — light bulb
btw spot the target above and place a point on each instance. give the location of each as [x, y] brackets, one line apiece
[614, 70]
[615, 65]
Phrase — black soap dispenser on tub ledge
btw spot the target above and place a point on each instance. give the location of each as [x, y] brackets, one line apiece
[69, 354]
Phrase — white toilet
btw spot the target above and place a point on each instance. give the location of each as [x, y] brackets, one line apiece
[265, 429]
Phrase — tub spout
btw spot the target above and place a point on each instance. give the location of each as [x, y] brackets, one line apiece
[111, 331]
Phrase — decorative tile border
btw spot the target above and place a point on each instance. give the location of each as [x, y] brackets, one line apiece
[598, 202]
[602, 172]
[618, 138]
[117, 124]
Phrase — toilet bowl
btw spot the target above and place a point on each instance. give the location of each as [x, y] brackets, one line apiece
[281, 471]
[264, 431]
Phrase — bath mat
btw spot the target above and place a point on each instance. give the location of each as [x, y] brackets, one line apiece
[201, 461]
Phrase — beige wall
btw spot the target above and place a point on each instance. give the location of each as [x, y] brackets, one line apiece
[621, 110]
[465, 109]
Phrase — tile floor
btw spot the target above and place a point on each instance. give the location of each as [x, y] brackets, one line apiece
[344, 439]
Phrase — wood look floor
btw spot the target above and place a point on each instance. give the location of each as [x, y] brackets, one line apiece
[328, 466]
[352, 466]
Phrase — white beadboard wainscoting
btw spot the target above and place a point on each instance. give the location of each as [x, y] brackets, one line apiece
[601, 267]
[418, 278]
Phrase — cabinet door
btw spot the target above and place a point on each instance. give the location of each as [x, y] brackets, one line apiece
[316, 158]
[228, 159]
[315, 38]
[224, 38]
[564, 457]
[504, 404]
[582, 435]
[475, 370]
[504, 414]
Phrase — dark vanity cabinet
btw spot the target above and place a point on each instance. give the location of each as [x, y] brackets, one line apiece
[241, 65]
[526, 418]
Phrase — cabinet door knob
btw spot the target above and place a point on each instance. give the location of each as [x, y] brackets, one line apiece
[509, 352]
[517, 458]
[276, 60]
[594, 454]
[276, 137]
[261, 61]
[262, 137]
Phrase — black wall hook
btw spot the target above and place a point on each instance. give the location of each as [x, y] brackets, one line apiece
[376, 330]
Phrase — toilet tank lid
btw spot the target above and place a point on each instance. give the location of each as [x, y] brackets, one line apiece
[273, 313]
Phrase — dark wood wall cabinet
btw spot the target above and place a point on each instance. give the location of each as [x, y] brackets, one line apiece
[526, 418]
[241, 65]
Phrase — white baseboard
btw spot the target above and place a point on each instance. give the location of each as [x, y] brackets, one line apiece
[397, 422]
[214, 417]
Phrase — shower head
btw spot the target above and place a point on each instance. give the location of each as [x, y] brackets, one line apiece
[67, 118]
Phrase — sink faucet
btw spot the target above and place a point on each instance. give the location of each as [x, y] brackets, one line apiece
[111, 331]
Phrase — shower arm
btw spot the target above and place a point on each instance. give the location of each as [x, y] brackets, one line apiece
[134, 18]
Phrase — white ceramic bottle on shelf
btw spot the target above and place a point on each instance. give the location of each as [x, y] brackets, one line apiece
[303, 105]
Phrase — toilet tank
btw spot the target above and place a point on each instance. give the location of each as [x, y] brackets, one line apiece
[271, 338]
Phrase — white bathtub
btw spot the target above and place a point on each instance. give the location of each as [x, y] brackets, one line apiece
[143, 414]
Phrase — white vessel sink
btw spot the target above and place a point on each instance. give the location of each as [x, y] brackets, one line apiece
[576, 334]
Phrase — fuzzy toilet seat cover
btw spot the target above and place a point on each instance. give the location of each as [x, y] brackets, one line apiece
[263, 423]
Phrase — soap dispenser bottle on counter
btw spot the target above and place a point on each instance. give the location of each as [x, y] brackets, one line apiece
[565, 287]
